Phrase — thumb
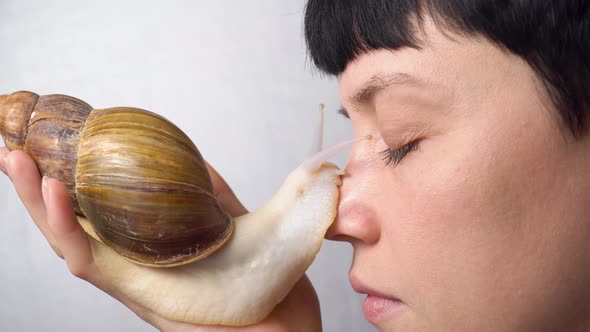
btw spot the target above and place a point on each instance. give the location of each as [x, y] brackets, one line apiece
[225, 194]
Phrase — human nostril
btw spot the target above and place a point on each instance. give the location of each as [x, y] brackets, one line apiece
[355, 222]
[333, 232]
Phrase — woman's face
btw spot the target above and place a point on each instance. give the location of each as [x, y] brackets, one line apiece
[483, 225]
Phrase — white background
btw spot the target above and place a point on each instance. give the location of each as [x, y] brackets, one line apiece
[234, 75]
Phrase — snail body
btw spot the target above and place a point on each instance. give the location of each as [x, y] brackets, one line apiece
[142, 192]
[241, 283]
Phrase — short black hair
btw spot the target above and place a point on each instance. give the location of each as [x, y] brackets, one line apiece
[552, 36]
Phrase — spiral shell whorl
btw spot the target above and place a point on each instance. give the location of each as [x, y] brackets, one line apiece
[48, 129]
[146, 187]
[15, 114]
[138, 179]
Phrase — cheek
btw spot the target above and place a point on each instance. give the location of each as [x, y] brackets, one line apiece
[476, 223]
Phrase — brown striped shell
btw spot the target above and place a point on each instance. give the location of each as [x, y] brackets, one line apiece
[138, 179]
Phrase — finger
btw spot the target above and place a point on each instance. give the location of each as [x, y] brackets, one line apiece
[27, 181]
[69, 235]
[3, 153]
[225, 194]
[75, 244]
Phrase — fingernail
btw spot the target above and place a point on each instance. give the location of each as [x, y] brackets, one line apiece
[44, 187]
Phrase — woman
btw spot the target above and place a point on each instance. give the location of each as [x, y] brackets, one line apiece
[467, 211]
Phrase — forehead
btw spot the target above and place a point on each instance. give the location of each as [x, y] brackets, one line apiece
[443, 60]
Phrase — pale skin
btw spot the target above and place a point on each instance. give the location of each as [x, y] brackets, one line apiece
[483, 226]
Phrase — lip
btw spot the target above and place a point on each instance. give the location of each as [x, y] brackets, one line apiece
[377, 307]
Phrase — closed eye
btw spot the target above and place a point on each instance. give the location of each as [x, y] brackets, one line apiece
[395, 156]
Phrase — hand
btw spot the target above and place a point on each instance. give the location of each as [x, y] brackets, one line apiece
[50, 207]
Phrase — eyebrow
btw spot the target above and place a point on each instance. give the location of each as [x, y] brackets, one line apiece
[376, 84]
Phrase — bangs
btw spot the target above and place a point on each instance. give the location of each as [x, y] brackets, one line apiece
[551, 36]
[338, 31]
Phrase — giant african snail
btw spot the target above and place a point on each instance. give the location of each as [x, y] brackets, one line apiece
[142, 192]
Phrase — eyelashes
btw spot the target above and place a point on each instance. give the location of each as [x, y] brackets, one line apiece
[395, 156]
[390, 156]
[342, 111]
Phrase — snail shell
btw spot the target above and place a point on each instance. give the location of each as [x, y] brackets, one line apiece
[138, 179]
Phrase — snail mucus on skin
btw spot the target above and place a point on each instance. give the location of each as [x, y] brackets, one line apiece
[142, 192]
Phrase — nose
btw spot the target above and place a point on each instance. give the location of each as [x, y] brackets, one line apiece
[356, 220]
